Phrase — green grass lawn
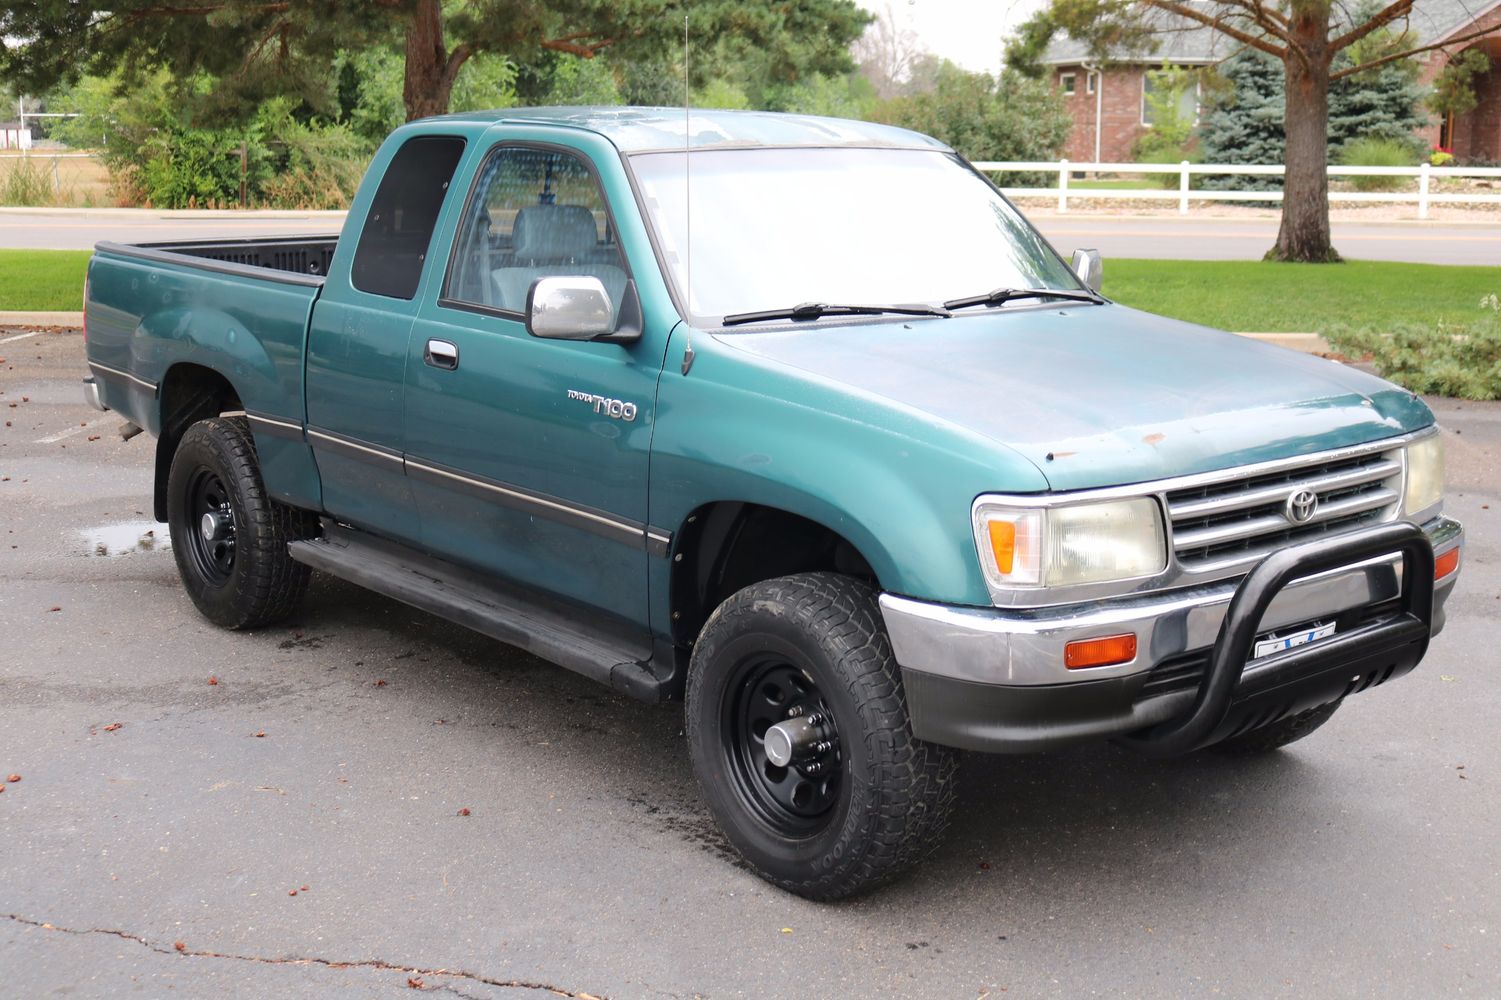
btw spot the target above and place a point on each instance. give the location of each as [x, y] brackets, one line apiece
[1261, 297]
[42, 280]
[1118, 183]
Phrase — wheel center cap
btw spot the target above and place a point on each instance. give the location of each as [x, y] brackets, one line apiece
[210, 526]
[789, 740]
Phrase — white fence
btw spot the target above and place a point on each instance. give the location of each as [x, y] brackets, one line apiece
[1424, 195]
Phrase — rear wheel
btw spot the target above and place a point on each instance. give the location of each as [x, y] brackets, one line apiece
[228, 537]
[799, 734]
[1264, 739]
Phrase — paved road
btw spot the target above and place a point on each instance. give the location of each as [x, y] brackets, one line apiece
[1360, 863]
[1248, 239]
[1170, 238]
[80, 230]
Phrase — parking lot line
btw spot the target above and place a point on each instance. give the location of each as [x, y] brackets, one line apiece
[20, 336]
[54, 438]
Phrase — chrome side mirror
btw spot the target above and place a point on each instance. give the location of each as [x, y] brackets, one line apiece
[569, 307]
[1090, 267]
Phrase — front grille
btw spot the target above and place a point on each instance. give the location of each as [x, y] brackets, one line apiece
[1239, 520]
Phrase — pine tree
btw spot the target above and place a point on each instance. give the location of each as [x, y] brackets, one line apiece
[1382, 103]
[1246, 124]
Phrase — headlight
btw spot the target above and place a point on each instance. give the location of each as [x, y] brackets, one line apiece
[1425, 474]
[1069, 544]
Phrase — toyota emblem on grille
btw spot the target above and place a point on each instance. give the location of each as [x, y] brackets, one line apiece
[1301, 505]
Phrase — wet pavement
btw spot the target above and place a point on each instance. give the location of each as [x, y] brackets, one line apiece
[202, 813]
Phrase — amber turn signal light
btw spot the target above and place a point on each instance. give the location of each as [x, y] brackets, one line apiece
[1105, 652]
[1446, 564]
[1003, 544]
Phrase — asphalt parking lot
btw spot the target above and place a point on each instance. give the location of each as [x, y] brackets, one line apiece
[203, 813]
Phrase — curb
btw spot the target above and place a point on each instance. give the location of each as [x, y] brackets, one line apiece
[177, 213]
[1308, 343]
[68, 319]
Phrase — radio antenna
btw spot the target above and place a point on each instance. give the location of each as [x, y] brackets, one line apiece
[687, 209]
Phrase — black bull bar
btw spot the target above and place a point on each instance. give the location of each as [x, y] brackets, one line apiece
[1391, 645]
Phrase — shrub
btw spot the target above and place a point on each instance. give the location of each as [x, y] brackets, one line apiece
[1448, 359]
[24, 181]
[1377, 152]
[986, 118]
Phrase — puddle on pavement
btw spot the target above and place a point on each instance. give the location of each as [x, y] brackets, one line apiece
[125, 538]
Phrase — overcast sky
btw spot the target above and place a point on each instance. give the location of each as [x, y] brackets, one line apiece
[969, 32]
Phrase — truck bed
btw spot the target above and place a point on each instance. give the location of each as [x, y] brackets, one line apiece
[305, 256]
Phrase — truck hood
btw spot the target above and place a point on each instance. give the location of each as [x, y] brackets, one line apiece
[1103, 395]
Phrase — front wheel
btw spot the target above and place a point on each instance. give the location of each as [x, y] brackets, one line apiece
[798, 731]
[229, 538]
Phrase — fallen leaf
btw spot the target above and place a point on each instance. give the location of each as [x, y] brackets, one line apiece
[113, 726]
[1447, 678]
[212, 681]
[414, 982]
[55, 607]
[180, 946]
[786, 930]
[291, 892]
[380, 684]
[93, 437]
[303, 889]
[260, 735]
[984, 866]
[2, 788]
[464, 811]
[13, 778]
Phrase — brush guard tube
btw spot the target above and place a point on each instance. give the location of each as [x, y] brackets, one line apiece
[1400, 638]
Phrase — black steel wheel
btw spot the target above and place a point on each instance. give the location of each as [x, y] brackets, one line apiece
[212, 546]
[796, 797]
[228, 537]
[799, 735]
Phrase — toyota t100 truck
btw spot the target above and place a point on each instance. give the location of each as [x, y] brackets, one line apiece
[797, 420]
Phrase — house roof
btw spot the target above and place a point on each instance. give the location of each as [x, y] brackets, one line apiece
[1185, 42]
[634, 129]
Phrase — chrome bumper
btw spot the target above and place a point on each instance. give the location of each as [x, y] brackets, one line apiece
[91, 393]
[1019, 647]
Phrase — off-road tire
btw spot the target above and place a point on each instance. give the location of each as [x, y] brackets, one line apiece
[895, 791]
[1265, 739]
[263, 584]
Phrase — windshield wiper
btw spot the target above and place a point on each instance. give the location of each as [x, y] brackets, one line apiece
[818, 310]
[1001, 295]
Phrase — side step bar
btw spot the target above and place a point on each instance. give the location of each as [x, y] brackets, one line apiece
[554, 632]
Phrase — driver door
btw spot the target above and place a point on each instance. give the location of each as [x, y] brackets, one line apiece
[518, 467]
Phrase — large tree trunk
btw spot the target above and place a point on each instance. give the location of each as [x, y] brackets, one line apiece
[1304, 235]
[430, 67]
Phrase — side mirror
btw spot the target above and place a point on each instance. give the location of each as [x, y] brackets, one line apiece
[1090, 267]
[569, 307]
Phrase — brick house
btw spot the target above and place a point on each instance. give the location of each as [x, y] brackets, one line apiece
[1110, 111]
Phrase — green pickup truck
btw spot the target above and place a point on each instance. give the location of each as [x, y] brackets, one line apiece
[797, 420]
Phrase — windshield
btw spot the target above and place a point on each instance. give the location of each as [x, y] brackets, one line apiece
[773, 228]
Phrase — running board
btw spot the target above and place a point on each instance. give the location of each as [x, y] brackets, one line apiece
[552, 631]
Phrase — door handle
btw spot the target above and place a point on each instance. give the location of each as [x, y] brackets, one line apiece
[441, 354]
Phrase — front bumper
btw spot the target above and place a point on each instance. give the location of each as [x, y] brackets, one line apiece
[993, 679]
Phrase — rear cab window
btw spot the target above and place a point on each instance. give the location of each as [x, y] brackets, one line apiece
[398, 229]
